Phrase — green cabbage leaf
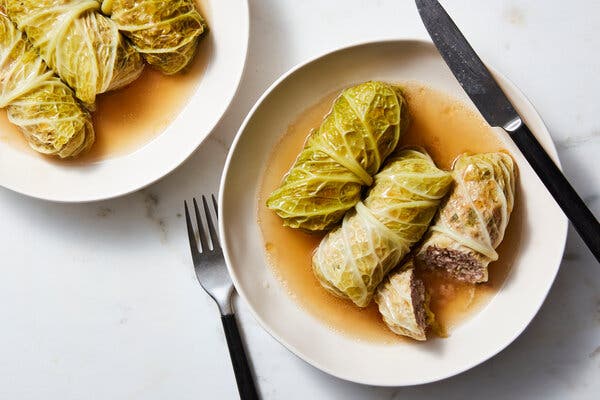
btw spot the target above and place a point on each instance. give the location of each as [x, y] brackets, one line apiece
[353, 259]
[40, 104]
[166, 33]
[340, 157]
[81, 45]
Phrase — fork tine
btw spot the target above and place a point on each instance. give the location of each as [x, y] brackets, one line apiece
[201, 234]
[191, 236]
[211, 226]
[215, 205]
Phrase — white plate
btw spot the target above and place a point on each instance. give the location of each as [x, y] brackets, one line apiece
[544, 228]
[34, 176]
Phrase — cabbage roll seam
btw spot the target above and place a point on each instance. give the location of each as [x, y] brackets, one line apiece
[473, 221]
[23, 88]
[370, 218]
[355, 270]
[480, 219]
[372, 241]
[363, 177]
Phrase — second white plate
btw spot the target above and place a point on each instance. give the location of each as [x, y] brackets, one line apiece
[543, 228]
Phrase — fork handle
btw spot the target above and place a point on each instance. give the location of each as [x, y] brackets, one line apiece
[241, 367]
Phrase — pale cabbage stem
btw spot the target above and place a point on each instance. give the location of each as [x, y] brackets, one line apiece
[153, 25]
[503, 212]
[394, 176]
[53, 37]
[368, 216]
[9, 50]
[113, 57]
[392, 179]
[351, 260]
[24, 86]
[352, 166]
[511, 182]
[411, 204]
[507, 203]
[328, 278]
[68, 14]
[371, 138]
[332, 179]
[387, 211]
[482, 225]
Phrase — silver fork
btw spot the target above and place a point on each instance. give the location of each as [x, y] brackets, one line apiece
[212, 274]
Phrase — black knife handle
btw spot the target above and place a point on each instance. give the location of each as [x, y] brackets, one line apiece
[241, 367]
[567, 198]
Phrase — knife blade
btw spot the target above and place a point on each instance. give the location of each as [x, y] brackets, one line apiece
[496, 108]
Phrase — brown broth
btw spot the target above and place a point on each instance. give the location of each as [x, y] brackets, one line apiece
[127, 119]
[446, 128]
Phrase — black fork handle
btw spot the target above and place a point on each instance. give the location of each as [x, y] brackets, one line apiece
[567, 198]
[241, 367]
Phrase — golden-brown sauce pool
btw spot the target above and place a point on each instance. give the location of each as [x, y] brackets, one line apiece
[443, 126]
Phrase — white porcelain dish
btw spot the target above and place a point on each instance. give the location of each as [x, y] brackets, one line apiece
[37, 177]
[544, 228]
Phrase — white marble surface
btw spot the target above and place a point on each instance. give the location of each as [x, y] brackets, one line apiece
[99, 301]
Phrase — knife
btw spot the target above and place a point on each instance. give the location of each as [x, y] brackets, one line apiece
[498, 111]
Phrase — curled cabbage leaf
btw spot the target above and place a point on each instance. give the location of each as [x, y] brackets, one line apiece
[341, 157]
[166, 33]
[82, 46]
[40, 104]
[403, 303]
[472, 221]
[353, 259]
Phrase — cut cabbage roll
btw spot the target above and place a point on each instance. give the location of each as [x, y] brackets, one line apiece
[166, 33]
[402, 302]
[82, 46]
[353, 259]
[472, 221]
[341, 157]
[40, 104]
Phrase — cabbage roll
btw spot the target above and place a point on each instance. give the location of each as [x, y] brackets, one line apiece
[353, 259]
[341, 157]
[82, 46]
[472, 221]
[166, 33]
[403, 303]
[40, 104]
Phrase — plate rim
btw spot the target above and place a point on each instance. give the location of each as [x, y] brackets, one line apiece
[239, 289]
[169, 167]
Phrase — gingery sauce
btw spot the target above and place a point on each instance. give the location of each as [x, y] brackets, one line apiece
[127, 119]
[446, 128]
